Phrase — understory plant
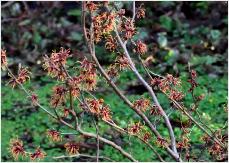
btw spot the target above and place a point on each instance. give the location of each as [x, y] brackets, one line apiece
[74, 98]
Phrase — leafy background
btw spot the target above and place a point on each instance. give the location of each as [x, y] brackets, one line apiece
[175, 32]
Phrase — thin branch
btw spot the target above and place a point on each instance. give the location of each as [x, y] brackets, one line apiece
[152, 94]
[83, 155]
[124, 153]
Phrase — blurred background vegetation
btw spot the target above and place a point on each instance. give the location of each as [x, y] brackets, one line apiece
[175, 32]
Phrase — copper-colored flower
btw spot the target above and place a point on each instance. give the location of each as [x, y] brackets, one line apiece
[135, 129]
[184, 144]
[140, 13]
[155, 81]
[111, 43]
[58, 96]
[112, 71]
[66, 112]
[161, 142]
[89, 80]
[154, 110]
[3, 59]
[23, 76]
[72, 148]
[55, 63]
[142, 104]
[95, 106]
[141, 48]
[146, 136]
[215, 149]
[16, 148]
[121, 12]
[87, 65]
[88, 75]
[176, 95]
[129, 29]
[34, 99]
[122, 62]
[54, 135]
[38, 154]
[109, 22]
[91, 6]
[205, 138]
[193, 74]
[105, 113]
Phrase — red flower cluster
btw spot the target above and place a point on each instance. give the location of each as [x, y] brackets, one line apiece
[111, 43]
[161, 142]
[91, 6]
[16, 148]
[128, 29]
[142, 104]
[88, 75]
[121, 63]
[146, 136]
[38, 154]
[168, 86]
[34, 99]
[74, 84]
[23, 76]
[58, 96]
[154, 110]
[55, 63]
[54, 135]
[192, 80]
[103, 24]
[141, 48]
[3, 59]
[184, 144]
[135, 129]
[98, 108]
[72, 148]
[141, 13]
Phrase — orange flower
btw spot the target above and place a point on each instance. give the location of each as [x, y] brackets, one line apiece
[16, 148]
[112, 71]
[3, 59]
[54, 64]
[58, 96]
[129, 29]
[146, 136]
[91, 6]
[94, 105]
[141, 48]
[142, 104]
[161, 142]
[23, 76]
[122, 62]
[72, 148]
[38, 154]
[135, 129]
[111, 43]
[54, 135]
[105, 113]
[34, 99]
[140, 13]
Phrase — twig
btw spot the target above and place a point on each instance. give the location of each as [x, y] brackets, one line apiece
[83, 155]
[151, 92]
